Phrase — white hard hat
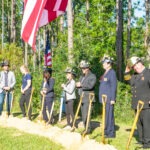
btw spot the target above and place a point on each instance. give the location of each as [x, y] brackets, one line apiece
[133, 60]
[84, 64]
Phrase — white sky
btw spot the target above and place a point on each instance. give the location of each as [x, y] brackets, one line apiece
[140, 11]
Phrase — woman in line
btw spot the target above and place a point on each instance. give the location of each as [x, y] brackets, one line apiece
[69, 89]
[47, 90]
[25, 91]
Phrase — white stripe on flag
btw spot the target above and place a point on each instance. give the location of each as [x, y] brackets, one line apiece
[44, 18]
[57, 5]
[31, 39]
[27, 12]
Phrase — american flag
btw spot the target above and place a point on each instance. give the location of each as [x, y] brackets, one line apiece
[48, 56]
[38, 13]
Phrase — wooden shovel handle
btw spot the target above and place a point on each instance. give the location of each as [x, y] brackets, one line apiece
[104, 98]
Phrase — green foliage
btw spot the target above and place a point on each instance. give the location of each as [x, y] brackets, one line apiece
[123, 111]
[14, 54]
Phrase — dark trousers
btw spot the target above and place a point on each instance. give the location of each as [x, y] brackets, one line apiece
[84, 112]
[143, 126]
[47, 106]
[110, 121]
[25, 98]
[69, 111]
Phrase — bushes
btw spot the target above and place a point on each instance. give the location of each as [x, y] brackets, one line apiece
[123, 111]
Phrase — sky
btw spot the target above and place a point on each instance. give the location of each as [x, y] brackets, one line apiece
[140, 11]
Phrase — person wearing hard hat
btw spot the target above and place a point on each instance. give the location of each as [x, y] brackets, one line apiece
[140, 85]
[7, 83]
[108, 87]
[70, 96]
[86, 85]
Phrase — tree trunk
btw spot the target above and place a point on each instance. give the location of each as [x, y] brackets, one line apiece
[13, 23]
[2, 24]
[87, 12]
[70, 32]
[119, 39]
[147, 34]
[26, 55]
[61, 23]
[129, 29]
[34, 61]
[39, 53]
[8, 21]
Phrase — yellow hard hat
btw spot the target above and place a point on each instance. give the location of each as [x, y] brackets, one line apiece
[132, 61]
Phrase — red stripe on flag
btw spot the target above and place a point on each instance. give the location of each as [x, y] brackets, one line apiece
[34, 20]
[63, 5]
[28, 28]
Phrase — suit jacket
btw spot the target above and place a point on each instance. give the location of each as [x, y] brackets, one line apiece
[70, 90]
[49, 88]
[11, 80]
[140, 87]
[88, 85]
[108, 86]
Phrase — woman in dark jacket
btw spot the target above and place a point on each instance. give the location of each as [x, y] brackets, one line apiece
[108, 87]
[47, 90]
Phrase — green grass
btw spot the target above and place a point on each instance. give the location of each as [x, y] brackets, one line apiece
[122, 135]
[12, 139]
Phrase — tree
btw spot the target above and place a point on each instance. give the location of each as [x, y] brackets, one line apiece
[13, 21]
[70, 31]
[147, 34]
[129, 29]
[2, 24]
[119, 39]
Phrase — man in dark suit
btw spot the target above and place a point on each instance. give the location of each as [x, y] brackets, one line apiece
[108, 87]
[86, 85]
[140, 86]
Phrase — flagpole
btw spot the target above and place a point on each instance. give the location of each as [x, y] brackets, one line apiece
[26, 54]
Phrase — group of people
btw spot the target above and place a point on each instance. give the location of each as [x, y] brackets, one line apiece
[139, 81]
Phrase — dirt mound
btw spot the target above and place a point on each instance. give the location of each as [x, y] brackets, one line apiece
[70, 140]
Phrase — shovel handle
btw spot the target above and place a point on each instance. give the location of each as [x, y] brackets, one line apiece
[104, 98]
[140, 105]
[91, 97]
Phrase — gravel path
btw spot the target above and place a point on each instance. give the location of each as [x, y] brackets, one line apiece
[70, 140]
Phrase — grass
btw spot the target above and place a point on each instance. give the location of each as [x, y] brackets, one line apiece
[122, 135]
[12, 139]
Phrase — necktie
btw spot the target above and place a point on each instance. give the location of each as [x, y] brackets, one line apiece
[6, 79]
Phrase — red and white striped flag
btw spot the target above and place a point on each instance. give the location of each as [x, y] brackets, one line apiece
[38, 13]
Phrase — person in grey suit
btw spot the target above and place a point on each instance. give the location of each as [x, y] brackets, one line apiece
[7, 83]
[86, 86]
[108, 86]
